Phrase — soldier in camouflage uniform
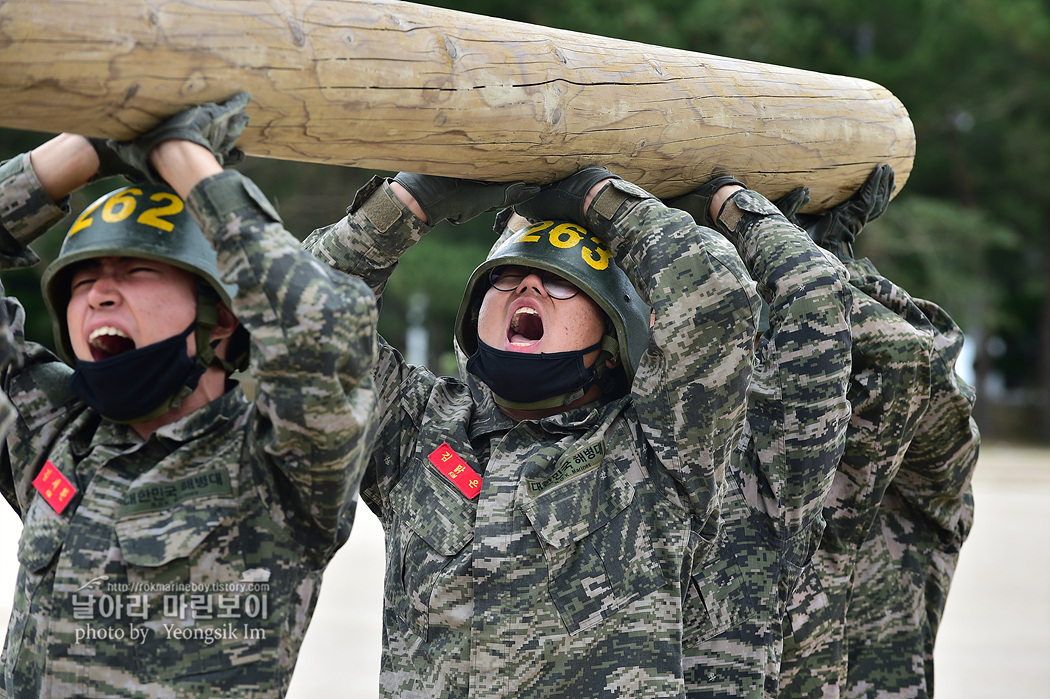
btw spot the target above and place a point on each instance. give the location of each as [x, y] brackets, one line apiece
[7, 342]
[563, 570]
[782, 469]
[863, 621]
[179, 555]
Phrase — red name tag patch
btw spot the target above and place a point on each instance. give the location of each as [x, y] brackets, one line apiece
[456, 470]
[56, 488]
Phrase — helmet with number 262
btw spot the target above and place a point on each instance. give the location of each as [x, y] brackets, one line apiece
[143, 221]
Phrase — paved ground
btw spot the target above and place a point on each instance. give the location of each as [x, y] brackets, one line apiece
[995, 638]
[994, 642]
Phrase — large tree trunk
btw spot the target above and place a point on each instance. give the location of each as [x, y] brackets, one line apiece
[398, 86]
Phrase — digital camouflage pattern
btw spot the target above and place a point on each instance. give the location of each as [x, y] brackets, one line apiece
[862, 622]
[781, 472]
[565, 574]
[187, 565]
[926, 515]
[7, 414]
[7, 350]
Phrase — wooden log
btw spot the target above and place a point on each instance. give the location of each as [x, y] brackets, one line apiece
[399, 86]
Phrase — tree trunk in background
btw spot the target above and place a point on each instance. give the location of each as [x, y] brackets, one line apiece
[398, 86]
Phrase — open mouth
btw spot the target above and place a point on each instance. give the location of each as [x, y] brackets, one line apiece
[526, 327]
[107, 341]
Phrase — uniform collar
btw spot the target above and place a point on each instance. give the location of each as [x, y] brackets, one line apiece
[205, 419]
[201, 421]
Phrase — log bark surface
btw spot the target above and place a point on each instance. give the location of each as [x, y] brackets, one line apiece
[399, 86]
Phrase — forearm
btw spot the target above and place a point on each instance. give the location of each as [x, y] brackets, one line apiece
[312, 337]
[691, 386]
[798, 409]
[937, 446]
[26, 212]
[369, 241]
[717, 200]
[183, 164]
[406, 198]
[64, 164]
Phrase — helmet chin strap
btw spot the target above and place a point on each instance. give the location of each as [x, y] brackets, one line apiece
[207, 320]
[609, 348]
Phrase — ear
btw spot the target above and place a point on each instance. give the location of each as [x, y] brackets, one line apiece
[226, 325]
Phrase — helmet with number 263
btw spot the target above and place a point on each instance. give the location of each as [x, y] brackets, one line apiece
[575, 254]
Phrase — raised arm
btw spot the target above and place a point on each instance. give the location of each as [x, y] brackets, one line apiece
[691, 384]
[797, 407]
[311, 328]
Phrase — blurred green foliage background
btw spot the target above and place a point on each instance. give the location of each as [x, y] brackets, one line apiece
[970, 231]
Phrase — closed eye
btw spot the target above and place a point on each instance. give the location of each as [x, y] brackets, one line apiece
[82, 281]
[510, 280]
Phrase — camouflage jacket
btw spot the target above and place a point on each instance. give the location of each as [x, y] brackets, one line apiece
[863, 622]
[187, 564]
[562, 571]
[783, 468]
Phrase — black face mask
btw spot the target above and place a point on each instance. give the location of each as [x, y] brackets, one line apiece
[525, 378]
[141, 384]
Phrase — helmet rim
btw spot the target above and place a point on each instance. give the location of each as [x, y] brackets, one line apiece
[180, 248]
[628, 313]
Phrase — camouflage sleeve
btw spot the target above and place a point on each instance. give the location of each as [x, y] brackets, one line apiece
[403, 391]
[937, 468]
[7, 353]
[312, 348]
[691, 384]
[797, 407]
[371, 238]
[930, 449]
[905, 567]
[26, 212]
[905, 502]
[7, 415]
[7, 411]
[889, 392]
[36, 383]
[368, 243]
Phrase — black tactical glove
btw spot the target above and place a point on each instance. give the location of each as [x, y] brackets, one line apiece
[112, 165]
[456, 201]
[697, 203]
[563, 200]
[214, 126]
[837, 228]
[790, 203]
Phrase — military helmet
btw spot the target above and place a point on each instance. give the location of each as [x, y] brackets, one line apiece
[572, 252]
[147, 221]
